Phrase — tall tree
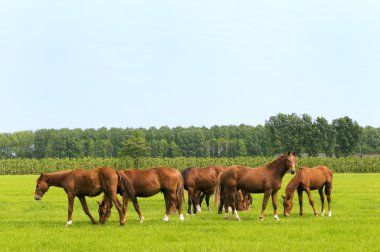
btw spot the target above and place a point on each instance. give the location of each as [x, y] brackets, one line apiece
[348, 136]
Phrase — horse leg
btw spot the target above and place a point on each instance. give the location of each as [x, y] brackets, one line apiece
[137, 209]
[197, 195]
[233, 203]
[119, 208]
[226, 199]
[191, 200]
[274, 204]
[300, 200]
[70, 198]
[265, 203]
[188, 204]
[328, 194]
[167, 205]
[320, 190]
[85, 209]
[208, 202]
[311, 201]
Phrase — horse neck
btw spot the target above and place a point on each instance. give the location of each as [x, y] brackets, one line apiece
[278, 167]
[56, 178]
[291, 187]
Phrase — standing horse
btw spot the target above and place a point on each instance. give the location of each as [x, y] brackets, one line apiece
[200, 180]
[308, 179]
[265, 179]
[80, 183]
[146, 183]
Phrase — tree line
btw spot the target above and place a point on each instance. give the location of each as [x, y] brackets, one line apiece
[280, 133]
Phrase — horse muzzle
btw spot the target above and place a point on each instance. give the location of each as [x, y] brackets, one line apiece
[37, 197]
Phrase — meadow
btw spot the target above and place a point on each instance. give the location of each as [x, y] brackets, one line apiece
[28, 225]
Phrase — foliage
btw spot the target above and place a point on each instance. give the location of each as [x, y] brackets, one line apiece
[280, 133]
[36, 166]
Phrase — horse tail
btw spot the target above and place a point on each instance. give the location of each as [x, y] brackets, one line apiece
[218, 190]
[179, 191]
[125, 186]
[184, 174]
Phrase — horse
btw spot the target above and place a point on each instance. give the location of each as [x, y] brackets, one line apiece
[243, 200]
[308, 179]
[146, 183]
[200, 180]
[265, 179]
[80, 183]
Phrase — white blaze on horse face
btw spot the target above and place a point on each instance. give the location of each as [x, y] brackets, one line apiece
[199, 209]
[276, 217]
[181, 218]
[166, 218]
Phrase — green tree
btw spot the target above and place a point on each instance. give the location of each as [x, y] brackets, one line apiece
[348, 136]
[136, 147]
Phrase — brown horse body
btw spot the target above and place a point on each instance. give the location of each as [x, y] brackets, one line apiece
[80, 183]
[308, 179]
[200, 181]
[265, 179]
[146, 183]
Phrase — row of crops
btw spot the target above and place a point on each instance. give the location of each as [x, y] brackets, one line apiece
[36, 166]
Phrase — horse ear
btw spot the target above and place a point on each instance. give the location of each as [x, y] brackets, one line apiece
[288, 153]
[283, 196]
[294, 153]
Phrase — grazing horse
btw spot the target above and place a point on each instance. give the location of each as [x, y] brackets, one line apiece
[200, 180]
[308, 179]
[80, 183]
[146, 183]
[243, 200]
[265, 179]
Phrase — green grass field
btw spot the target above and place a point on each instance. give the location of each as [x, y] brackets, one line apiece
[27, 225]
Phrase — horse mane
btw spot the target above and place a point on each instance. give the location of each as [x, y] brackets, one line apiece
[277, 160]
[56, 177]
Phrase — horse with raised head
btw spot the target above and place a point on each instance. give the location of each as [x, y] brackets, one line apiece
[80, 183]
[146, 183]
[265, 179]
[200, 181]
[308, 179]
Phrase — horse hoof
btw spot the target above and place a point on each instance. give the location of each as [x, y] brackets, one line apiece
[181, 218]
[276, 217]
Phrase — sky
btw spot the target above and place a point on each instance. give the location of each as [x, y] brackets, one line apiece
[91, 64]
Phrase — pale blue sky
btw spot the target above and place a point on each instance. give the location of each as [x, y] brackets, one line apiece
[89, 64]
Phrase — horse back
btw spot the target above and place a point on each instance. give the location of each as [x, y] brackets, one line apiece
[315, 177]
[92, 182]
[204, 178]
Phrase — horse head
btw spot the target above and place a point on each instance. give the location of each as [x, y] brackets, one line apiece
[291, 162]
[41, 187]
[104, 211]
[288, 205]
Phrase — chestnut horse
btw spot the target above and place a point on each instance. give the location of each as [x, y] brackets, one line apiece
[243, 200]
[308, 179]
[200, 180]
[265, 179]
[80, 183]
[146, 183]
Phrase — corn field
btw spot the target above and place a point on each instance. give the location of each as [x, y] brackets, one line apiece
[36, 166]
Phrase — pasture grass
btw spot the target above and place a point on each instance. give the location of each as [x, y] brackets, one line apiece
[28, 225]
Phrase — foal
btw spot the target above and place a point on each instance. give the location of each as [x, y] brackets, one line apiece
[308, 179]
